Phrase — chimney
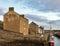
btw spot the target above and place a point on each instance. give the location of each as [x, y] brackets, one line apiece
[22, 15]
[11, 8]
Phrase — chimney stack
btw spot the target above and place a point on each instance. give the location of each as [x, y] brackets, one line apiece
[22, 15]
[11, 8]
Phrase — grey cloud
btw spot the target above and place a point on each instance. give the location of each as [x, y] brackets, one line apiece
[58, 15]
[42, 21]
[43, 5]
[39, 20]
[1, 11]
[36, 18]
[56, 22]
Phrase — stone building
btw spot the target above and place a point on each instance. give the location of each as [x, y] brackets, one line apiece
[15, 22]
[41, 30]
[33, 28]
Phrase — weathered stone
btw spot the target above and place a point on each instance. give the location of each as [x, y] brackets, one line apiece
[15, 22]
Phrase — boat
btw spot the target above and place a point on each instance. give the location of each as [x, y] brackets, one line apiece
[51, 40]
[51, 37]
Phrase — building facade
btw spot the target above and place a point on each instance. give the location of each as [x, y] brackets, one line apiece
[41, 30]
[15, 22]
[33, 28]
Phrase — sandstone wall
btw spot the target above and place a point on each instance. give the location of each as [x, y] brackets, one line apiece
[10, 36]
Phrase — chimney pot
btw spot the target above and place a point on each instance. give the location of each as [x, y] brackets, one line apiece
[11, 8]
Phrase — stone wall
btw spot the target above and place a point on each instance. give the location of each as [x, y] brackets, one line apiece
[24, 25]
[19, 43]
[10, 36]
[15, 22]
[33, 28]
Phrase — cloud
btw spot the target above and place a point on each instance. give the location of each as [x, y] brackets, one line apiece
[36, 18]
[1, 11]
[23, 9]
[48, 15]
[1, 18]
[58, 15]
[42, 5]
[42, 11]
[42, 21]
[38, 8]
[56, 22]
[39, 20]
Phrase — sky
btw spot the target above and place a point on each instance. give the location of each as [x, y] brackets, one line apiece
[45, 13]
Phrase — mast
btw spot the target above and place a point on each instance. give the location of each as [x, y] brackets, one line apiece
[50, 30]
